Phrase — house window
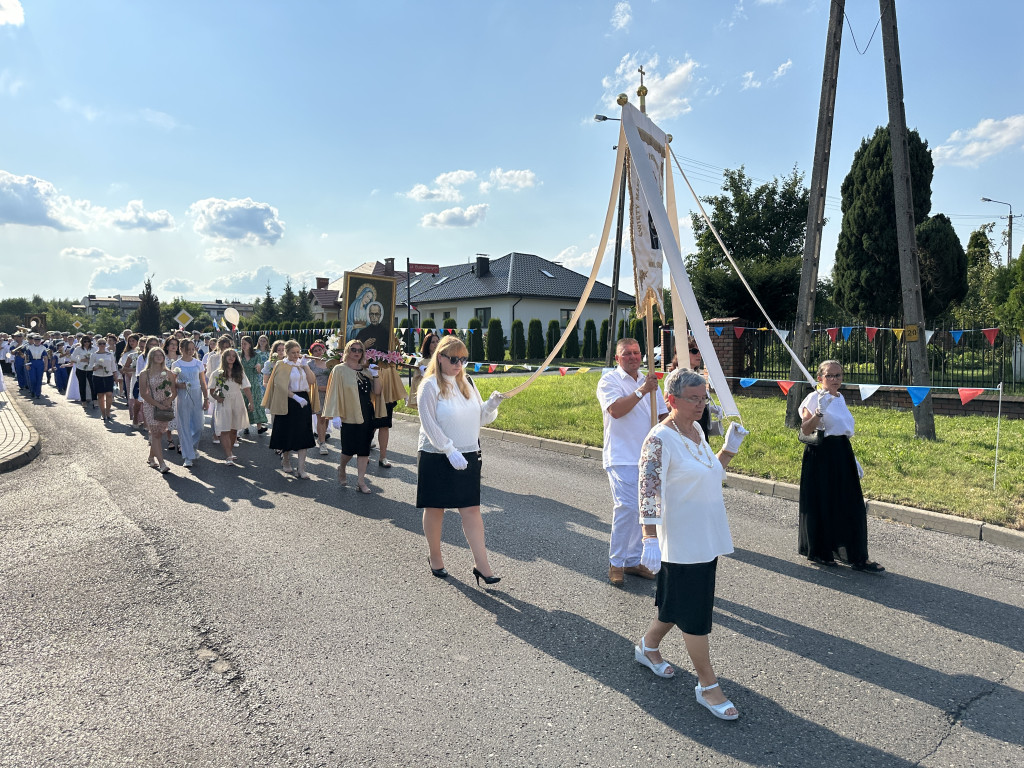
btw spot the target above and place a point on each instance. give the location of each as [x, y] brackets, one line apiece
[415, 319]
[483, 314]
[563, 318]
[446, 316]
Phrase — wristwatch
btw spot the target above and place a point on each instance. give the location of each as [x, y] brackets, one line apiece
[639, 394]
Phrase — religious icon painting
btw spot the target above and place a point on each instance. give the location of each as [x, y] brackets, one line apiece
[369, 310]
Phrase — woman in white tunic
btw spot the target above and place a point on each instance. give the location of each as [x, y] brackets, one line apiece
[230, 389]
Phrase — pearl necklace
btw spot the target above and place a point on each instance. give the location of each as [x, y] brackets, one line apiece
[702, 458]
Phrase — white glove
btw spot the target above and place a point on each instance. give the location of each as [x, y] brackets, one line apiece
[824, 401]
[734, 437]
[303, 402]
[716, 412]
[374, 369]
[493, 402]
[651, 556]
[860, 470]
[457, 460]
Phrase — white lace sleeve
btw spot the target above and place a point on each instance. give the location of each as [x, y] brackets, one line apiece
[651, 481]
[427, 405]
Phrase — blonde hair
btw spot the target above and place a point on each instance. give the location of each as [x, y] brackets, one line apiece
[362, 357]
[451, 346]
[292, 344]
[825, 365]
[149, 360]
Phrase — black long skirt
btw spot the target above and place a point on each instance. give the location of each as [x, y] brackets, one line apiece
[293, 431]
[440, 485]
[685, 595]
[833, 518]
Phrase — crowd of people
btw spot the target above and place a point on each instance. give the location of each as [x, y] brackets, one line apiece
[669, 520]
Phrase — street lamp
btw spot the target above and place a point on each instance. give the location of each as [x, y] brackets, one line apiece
[1009, 229]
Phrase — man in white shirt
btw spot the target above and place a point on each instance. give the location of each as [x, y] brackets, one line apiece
[624, 394]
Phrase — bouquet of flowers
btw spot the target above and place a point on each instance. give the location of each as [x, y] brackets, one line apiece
[220, 386]
[384, 358]
[164, 387]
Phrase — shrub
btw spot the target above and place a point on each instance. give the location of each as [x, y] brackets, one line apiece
[475, 342]
[517, 347]
[590, 340]
[535, 340]
[554, 334]
[495, 341]
[571, 350]
[603, 341]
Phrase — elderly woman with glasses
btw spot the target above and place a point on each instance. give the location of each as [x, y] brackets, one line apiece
[351, 397]
[448, 464]
[685, 530]
[833, 518]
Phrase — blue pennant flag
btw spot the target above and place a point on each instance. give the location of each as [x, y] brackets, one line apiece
[718, 330]
[846, 332]
[476, 368]
[956, 336]
[918, 394]
[747, 382]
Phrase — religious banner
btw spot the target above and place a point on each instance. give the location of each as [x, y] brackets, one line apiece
[644, 240]
[369, 310]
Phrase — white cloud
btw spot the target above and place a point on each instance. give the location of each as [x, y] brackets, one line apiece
[671, 86]
[92, 114]
[456, 217]
[120, 275]
[11, 13]
[782, 69]
[622, 14]
[34, 202]
[219, 254]
[582, 262]
[738, 14]
[159, 119]
[250, 283]
[749, 81]
[244, 220]
[445, 189]
[769, 2]
[84, 253]
[323, 235]
[9, 84]
[89, 112]
[179, 287]
[135, 216]
[515, 180]
[989, 137]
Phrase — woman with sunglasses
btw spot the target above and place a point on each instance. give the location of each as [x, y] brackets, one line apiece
[448, 463]
[833, 518]
[352, 396]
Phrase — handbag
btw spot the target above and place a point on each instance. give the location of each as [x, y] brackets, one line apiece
[163, 414]
[815, 438]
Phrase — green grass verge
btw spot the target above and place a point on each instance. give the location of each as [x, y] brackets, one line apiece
[951, 475]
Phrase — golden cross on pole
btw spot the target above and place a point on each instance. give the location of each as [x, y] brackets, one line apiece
[642, 91]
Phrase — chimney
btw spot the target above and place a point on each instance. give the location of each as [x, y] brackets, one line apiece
[322, 283]
[389, 266]
[483, 266]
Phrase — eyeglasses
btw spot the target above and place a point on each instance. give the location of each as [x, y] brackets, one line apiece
[694, 351]
[833, 375]
[456, 360]
[696, 400]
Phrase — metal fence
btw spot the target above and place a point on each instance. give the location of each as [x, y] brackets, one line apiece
[957, 356]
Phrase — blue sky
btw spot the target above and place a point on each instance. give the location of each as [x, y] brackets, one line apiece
[220, 145]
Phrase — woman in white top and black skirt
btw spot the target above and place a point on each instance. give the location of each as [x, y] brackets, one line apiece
[83, 373]
[833, 518]
[685, 530]
[102, 365]
[448, 465]
[291, 396]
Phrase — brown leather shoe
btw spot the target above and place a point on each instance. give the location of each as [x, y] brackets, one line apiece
[615, 577]
[640, 570]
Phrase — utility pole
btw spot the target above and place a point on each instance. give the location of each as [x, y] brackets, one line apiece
[910, 278]
[816, 209]
[612, 319]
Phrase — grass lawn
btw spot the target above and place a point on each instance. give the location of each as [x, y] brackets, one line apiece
[952, 474]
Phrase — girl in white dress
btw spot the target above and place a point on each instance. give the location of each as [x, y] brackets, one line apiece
[233, 402]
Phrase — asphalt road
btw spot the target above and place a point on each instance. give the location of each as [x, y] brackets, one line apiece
[241, 617]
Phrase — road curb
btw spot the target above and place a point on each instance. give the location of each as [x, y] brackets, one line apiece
[919, 518]
[29, 450]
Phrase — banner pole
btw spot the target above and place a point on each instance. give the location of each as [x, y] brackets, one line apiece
[999, 415]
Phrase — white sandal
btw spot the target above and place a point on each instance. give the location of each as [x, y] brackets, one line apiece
[640, 653]
[718, 710]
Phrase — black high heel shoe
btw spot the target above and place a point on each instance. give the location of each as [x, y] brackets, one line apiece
[487, 579]
[441, 573]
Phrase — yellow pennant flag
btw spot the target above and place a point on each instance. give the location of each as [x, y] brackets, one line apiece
[508, 368]
[898, 332]
[582, 370]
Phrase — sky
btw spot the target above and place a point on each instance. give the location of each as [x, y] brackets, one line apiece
[217, 147]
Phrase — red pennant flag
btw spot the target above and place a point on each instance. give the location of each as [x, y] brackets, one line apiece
[872, 330]
[738, 331]
[967, 394]
[659, 374]
[563, 371]
[832, 333]
[785, 386]
[990, 334]
[492, 368]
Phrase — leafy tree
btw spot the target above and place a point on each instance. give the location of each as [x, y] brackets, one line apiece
[1008, 295]
[168, 311]
[554, 334]
[266, 310]
[517, 345]
[603, 341]
[978, 305]
[60, 319]
[571, 350]
[149, 312]
[942, 264]
[428, 322]
[475, 342]
[636, 331]
[495, 341]
[287, 305]
[866, 275]
[303, 305]
[449, 322]
[590, 340]
[105, 321]
[622, 331]
[763, 228]
[535, 340]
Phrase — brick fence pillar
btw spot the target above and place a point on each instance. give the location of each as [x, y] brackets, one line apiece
[728, 347]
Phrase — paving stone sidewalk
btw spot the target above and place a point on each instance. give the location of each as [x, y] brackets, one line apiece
[19, 441]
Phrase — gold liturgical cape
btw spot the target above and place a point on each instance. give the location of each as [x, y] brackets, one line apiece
[342, 399]
[275, 399]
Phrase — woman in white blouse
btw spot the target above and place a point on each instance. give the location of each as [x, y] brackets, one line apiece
[80, 356]
[103, 366]
[682, 512]
[833, 519]
[448, 466]
[291, 396]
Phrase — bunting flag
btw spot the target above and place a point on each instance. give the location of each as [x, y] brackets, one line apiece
[747, 382]
[718, 330]
[563, 370]
[832, 333]
[956, 336]
[785, 386]
[476, 368]
[918, 394]
[847, 330]
[990, 334]
[492, 368]
[471, 330]
[867, 390]
[508, 368]
[784, 334]
[968, 393]
[871, 331]
[899, 333]
[527, 367]
[582, 370]
[928, 336]
[738, 331]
